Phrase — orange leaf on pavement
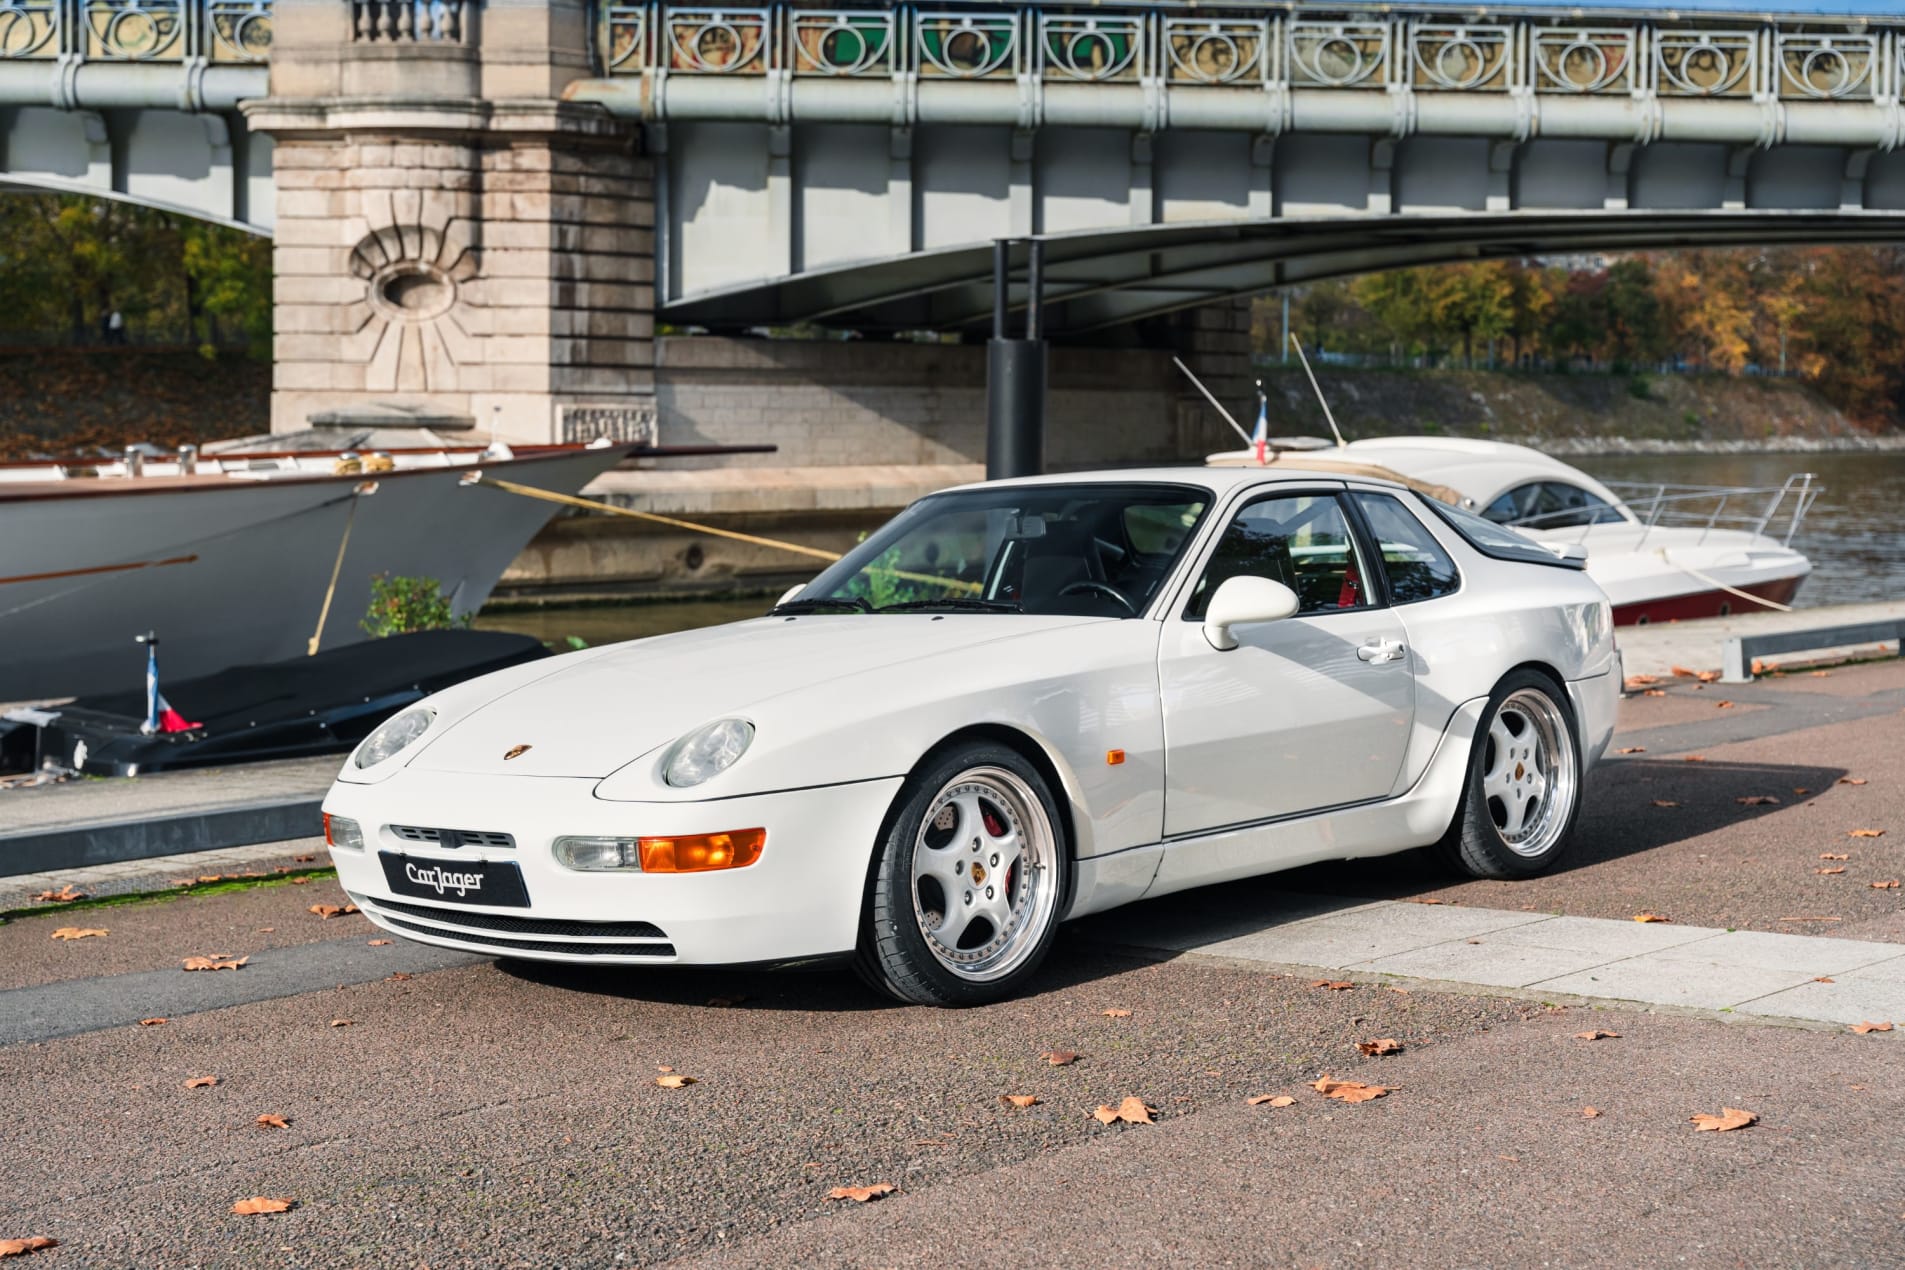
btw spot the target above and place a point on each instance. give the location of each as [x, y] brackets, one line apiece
[1824, 979]
[1131, 1111]
[154, 1022]
[1116, 1014]
[1834, 855]
[1382, 1045]
[378, 943]
[1654, 692]
[217, 961]
[674, 1081]
[201, 1082]
[1632, 749]
[1723, 705]
[77, 932]
[328, 911]
[1729, 1118]
[1651, 917]
[1274, 1100]
[1059, 1058]
[21, 1247]
[269, 1121]
[1693, 758]
[1348, 1090]
[1590, 1113]
[861, 1194]
[1333, 985]
[340, 1022]
[1852, 780]
[1837, 868]
[1757, 800]
[1641, 681]
[1863, 1028]
[65, 895]
[261, 1204]
[1865, 833]
[1597, 1035]
[1885, 886]
[1019, 1100]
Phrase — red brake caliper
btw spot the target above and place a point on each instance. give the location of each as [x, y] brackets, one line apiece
[996, 827]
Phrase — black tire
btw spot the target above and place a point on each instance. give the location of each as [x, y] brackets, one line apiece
[968, 791]
[1526, 741]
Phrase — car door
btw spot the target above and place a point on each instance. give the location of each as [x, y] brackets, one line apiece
[1309, 712]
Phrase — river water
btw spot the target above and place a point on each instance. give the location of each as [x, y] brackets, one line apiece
[1854, 535]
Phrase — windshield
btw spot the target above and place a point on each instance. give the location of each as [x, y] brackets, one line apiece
[1078, 550]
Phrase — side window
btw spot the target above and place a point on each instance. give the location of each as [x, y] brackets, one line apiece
[1412, 560]
[1300, 540]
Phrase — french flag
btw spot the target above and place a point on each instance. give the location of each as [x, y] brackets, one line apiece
[1260, 439]
[160, 716]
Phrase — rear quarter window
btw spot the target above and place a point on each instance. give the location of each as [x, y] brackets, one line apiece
[1413, 562]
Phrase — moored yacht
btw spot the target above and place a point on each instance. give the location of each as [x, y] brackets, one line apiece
[1661, 552]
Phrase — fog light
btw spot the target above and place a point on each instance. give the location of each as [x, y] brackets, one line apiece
[703, 852]
[594, 855]
[342, 834]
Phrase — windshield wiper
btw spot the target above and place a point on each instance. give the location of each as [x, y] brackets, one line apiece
[958, 604]
[851, 603]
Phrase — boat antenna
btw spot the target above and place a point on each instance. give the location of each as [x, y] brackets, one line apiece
[1215, 404]
[1318, 389]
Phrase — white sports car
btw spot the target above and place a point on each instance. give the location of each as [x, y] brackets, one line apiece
[1016, 703]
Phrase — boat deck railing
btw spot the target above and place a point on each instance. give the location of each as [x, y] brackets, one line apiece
[1773, 510]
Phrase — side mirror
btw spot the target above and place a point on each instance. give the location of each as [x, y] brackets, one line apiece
[1242, 600]
[790, 593]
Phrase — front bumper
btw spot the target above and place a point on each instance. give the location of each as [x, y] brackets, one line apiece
[801, 900]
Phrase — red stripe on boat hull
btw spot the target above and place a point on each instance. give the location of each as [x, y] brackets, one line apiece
[1681, 608]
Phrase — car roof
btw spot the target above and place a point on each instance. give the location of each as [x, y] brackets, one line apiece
[1219, 480]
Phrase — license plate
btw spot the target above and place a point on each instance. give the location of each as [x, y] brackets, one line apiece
[493, 882]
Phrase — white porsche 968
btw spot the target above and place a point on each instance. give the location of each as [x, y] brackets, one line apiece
[1014, 704]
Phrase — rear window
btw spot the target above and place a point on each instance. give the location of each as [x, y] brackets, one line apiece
[1495, 540]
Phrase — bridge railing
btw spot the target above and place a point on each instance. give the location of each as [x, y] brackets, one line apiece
[182, 31]
[1815, 60]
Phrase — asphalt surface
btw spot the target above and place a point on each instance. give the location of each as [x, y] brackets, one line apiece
[500, 1115]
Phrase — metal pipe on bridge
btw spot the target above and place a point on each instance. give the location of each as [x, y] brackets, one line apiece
[1015, 371]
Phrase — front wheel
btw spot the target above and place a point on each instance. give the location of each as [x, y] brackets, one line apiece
[1524, 783]
[969, 883]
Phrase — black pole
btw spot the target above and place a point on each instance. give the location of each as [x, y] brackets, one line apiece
[1015, 374]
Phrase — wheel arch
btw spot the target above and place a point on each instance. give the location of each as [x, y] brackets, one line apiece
[1057, 775]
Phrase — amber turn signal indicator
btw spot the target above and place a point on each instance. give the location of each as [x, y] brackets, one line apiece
[703, 852]
[1114, 757]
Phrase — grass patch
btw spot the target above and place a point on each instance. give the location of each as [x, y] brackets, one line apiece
[222, 886]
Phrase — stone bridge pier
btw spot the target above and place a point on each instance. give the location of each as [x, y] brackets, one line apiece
[451, 235]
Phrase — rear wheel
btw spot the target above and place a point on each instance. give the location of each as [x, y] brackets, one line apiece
[1524, 783]
[969, 883]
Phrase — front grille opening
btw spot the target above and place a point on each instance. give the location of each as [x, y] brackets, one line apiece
[453, 838]
[504, 924]
[501, 944]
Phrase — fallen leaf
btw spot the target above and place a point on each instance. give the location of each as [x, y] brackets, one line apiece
[1729, 1118]
[1382, 1045]
[201, 1082]
[77, 932]
[1693, 758]
[1641, 681]
[674, 1081]
[1865, 833]
[328, 911]
[303, 859]
[1723, 705]
[261, 1204]
[1837, 868]
[1823, 979]
[265, 930]
[1274, 1100]
[21, 1247]
[299, 881]
[1757, 800]
[1852, 780]
[1131, 1111]
[1348, 1090]
[1414, 899]
[1681, 672]
[379, 943]
[1663, 802]
[861, 1194]
[664, 1069]
[1651, 917]
[1863, 1028]
[1333, 985]
[1885, 886]
[397, 976]
[269, 1121]
[1590, 1113]
[217, 961]
[65, 895]
[1654, 692]
[1019, 1100]
[340, 1022]
[1059, 1058]
[1829, 855]
[1116, 1014]
[154, 1022]
[1597, 1035]
[722, 1003]
[1632, 749]
[1401, 992]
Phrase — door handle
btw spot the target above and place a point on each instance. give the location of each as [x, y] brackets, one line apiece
[1382, 650]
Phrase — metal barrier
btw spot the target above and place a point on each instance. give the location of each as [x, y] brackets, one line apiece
[1736, 665]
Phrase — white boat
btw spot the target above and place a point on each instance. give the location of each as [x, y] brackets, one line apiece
[1661, 552]
[248, 556]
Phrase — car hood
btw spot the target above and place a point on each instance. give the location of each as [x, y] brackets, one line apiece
[611, 707]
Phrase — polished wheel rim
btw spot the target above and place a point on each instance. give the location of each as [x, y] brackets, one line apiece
[984, 881]
[1528, 772]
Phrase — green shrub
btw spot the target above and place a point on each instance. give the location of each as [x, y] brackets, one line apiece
[401, 605]
[1639, 388]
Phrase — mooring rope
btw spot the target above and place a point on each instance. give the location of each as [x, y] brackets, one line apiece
[337, 567]
[1730, 590]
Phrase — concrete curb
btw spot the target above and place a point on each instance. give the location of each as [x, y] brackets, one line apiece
[113, 841]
